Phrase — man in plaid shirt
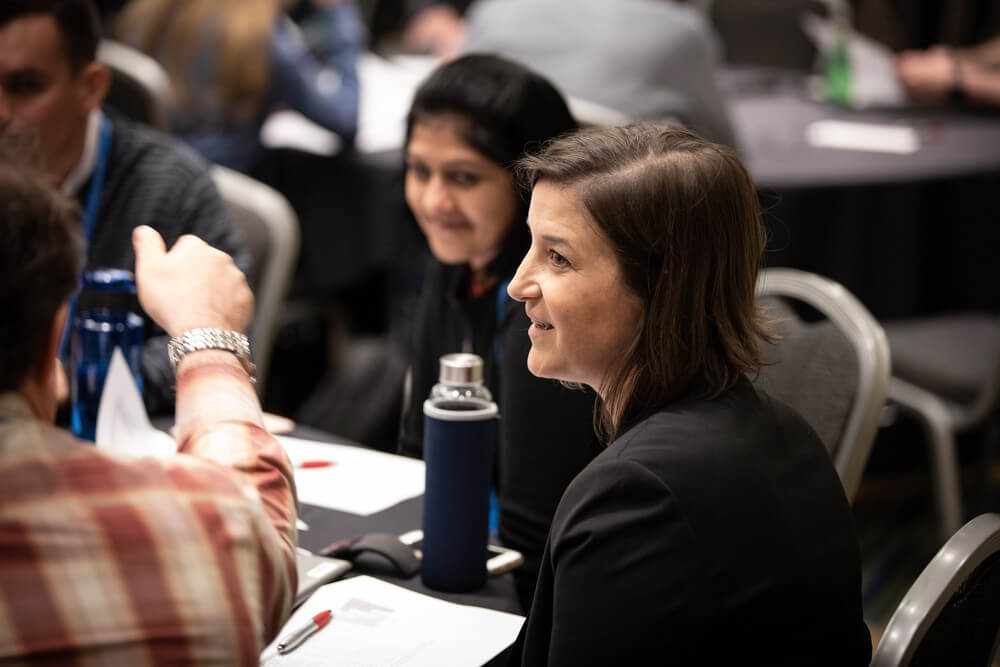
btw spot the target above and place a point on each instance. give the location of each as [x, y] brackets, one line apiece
[109, 560]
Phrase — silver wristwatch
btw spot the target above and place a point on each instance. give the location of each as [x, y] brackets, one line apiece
[212, 339]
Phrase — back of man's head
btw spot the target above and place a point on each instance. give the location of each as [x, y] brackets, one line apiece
[40, 250]
[78, 21]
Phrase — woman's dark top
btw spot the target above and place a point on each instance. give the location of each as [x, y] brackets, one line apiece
[715, 531]
[546, 430]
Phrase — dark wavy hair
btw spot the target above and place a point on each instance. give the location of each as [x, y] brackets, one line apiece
[498, 107]
[41, 251]
[683, 219]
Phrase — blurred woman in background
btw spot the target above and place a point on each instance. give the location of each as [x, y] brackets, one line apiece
[233, 62]
[468, 123]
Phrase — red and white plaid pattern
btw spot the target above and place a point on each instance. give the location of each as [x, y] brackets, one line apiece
[107, 560]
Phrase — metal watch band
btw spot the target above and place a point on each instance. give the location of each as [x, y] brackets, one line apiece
[212, 339]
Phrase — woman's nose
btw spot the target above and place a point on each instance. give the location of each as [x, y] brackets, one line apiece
[522, 286]
[437, 197]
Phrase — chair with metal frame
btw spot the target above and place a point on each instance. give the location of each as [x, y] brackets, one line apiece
[947, 375]
[140, 88]
[271, 234]
[950, 615]
[834, 371]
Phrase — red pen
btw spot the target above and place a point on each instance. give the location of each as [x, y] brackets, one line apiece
[316, 623]
[315, 464]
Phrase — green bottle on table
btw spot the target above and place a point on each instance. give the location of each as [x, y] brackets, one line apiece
[838, 67]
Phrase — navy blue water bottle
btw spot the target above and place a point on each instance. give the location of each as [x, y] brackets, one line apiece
[106, 318]
[460, 430]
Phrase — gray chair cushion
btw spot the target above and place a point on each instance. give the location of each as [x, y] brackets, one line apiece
[812, 368]
[954, 357]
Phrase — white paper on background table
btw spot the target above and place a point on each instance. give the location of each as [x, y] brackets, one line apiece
[361, 481]
[871, 137]
[123, 426]
[377, 624]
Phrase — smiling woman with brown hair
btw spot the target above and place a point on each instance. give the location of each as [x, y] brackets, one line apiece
[713, 529]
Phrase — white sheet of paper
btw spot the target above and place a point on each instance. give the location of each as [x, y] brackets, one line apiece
[360, 481]
[378, 624]
[872, 137]
[123, 426]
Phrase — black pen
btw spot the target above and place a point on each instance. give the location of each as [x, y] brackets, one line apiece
[291, 642]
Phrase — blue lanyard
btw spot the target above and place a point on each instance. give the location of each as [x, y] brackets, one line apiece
[498, 356]
[501, 307]
[90, 209]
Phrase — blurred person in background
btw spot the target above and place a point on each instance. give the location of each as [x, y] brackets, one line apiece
[469, 121]
[944, 73]
[434, 27]
[123, 174]
[233, 62]
[648, 59]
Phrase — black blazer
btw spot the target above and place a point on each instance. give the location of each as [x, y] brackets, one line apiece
[715, 531]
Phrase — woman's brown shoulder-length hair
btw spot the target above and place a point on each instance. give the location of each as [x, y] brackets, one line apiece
[683, 218]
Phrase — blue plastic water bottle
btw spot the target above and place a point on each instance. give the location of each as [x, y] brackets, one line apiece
[106, 318]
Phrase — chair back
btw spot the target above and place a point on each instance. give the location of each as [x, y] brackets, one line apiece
[271, 235]
[833, 371]
[951, 614]
[140, 88]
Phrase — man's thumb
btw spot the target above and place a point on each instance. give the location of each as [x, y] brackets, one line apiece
[148, 243]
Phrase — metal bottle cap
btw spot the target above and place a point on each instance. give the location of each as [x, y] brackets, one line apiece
[118, 281]
[461, 368]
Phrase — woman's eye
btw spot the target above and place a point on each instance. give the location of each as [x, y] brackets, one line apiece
[464, 178]
[558, 260]
[418, 170]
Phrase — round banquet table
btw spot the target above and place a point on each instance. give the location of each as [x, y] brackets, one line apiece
[909, 235]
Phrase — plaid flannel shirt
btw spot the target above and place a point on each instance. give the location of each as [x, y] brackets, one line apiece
[108, 560]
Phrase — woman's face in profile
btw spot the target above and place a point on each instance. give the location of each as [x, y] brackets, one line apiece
[464, 203]
[583, 316]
